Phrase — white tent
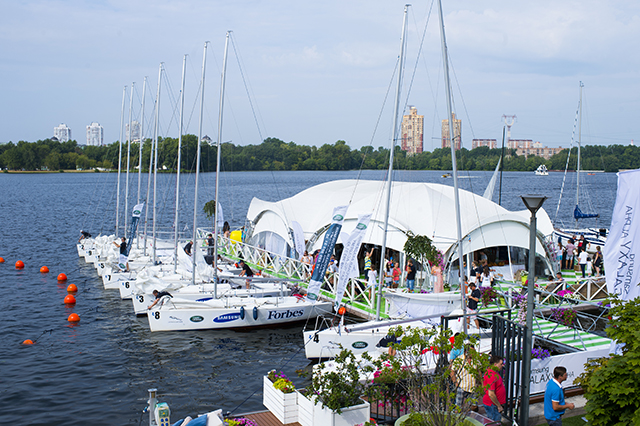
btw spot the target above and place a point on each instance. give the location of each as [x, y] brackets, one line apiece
[422, 208]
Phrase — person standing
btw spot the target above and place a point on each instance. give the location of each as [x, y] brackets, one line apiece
[462, 378]
[246, 272]
[569, 257]
[396, 274]
[210, 243]
[124, 259]
[554, 404]
[367, 262]
[597, 261]
[583, 257]
[474, 298]
[411, 275]
[495, 395]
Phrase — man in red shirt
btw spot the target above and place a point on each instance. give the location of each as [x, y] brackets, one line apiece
[496, 395]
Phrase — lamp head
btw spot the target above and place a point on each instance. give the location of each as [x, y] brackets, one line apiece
[533, 202]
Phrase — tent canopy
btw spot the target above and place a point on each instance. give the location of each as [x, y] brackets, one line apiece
[422, 208]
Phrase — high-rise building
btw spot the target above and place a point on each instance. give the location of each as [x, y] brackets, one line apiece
[95, 134]
[457, 133]
[476, 143]
[412, 131]
[135, 134]
[62, 133]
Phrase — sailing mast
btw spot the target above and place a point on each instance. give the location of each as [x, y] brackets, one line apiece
[144, 87]
[396, 132]
[219, 147]
[126, 189]
[155, 161]
[175, 223]
[195, 201]
[579, 144]
[124, 95]
[454, 165]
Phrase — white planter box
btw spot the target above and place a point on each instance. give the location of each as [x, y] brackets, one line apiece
[282, 405]
[316, 415]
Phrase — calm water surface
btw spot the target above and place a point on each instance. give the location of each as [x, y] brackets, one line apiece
[98, 371]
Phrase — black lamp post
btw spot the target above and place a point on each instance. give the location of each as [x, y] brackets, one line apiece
[533, 203]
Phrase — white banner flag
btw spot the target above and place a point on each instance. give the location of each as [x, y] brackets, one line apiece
[219, 215]
[349, 260]
[623, 241]
[298, 238]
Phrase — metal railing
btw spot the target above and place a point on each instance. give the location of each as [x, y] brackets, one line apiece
[358, 295]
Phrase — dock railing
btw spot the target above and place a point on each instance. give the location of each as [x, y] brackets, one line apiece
[358, 297]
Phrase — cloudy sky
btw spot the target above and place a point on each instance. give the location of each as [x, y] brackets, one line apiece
[318, 72]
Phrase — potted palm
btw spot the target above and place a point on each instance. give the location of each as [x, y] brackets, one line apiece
[279, 397]
[334, 395]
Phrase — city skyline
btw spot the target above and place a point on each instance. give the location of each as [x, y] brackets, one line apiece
[321, 73]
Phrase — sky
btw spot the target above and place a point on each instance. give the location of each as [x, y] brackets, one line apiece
[318, 72]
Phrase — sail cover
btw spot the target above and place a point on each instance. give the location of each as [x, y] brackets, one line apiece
[577, 214]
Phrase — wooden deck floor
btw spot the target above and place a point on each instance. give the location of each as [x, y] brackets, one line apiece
[265, 418]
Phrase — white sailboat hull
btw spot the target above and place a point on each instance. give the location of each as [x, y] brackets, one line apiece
[233, 313]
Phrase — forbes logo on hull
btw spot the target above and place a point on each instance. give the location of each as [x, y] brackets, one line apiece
[227, 318]
[276, 315]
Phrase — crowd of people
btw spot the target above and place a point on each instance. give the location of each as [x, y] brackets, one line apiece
[575, 253]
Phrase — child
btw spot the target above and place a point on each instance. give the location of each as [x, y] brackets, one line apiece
[589, 266]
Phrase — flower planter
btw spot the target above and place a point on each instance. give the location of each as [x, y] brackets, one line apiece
[310, 414]
[282, 405]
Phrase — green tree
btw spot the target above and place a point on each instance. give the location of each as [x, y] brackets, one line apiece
[611, 384]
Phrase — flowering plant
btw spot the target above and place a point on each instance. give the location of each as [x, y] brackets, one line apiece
[240, 421]
[489, 294]
[388, 374]
[540, 353]
[564, 316]
[565, 293]
[520, 300]
[281, 382]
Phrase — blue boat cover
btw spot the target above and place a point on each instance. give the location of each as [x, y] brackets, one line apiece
[577, 214]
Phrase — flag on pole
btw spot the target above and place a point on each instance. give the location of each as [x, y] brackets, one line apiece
[623, 242]
[349, 260]
[298, 238]
[330, 238]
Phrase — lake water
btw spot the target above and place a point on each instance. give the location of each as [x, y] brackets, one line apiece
[98, 371]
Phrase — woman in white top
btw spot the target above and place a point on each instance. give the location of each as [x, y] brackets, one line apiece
[486, 278]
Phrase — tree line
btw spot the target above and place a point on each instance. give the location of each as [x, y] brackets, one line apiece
[275, 154]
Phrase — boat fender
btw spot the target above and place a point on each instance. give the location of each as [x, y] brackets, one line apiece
[255, 312]
[241, 312]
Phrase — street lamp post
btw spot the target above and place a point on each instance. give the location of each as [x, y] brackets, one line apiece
[533, 203]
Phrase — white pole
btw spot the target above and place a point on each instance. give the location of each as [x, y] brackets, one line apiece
[175, 224]
[219, 147]
[126, 189]
[144, 87]
[124, 95]
[155, 162]
[445, 59]
[390, 172]
[194, 247]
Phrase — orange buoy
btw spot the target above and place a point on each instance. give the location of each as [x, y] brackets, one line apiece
[44, 270]
[19, 264]
[1, 259]
[62, 277]
[28, 342]
[69, 299]
[72, 288]
[342, 310]
[73, 318]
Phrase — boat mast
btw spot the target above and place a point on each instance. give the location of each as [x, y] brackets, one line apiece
[501, 167]
[146, 214]
[195, 201]
[175, 223]
[218, 149]
[124, 95]
[144, 87]
[155, 161]
[126, 189]
[579, 144]
[445, 59]
[396, 133]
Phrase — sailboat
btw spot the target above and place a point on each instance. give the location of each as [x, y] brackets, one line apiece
[595, 236]
[185, 313]
[328, 342]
